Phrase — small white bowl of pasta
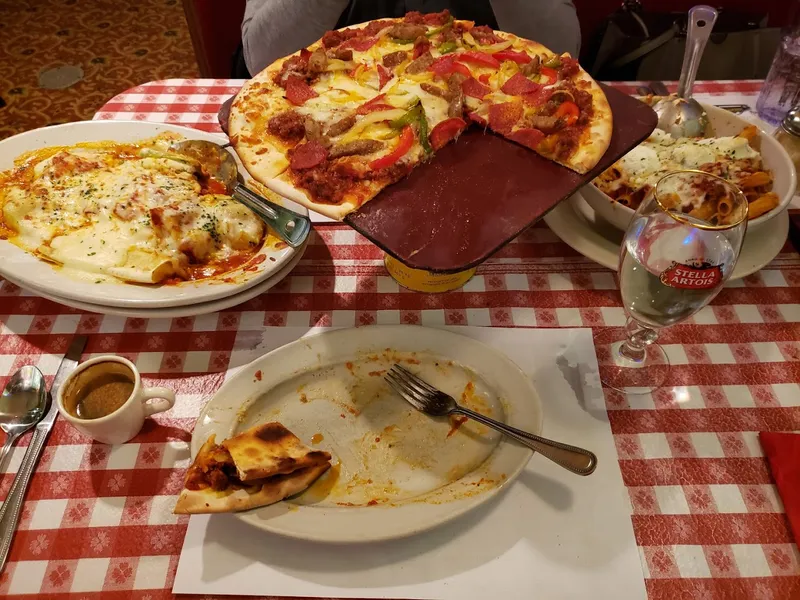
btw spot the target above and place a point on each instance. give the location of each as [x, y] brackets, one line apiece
[769, 184]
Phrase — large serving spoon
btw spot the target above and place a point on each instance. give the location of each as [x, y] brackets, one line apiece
[22, 405]
[291, 227]
[683, 116]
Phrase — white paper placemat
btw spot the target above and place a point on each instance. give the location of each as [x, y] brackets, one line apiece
[550, 535]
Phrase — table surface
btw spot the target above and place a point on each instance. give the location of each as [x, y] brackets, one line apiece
[98, 520]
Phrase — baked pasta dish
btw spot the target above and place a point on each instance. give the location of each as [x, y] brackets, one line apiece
[734, 158]
[136, 212]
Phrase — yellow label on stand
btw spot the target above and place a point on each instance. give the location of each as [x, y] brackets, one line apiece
[425, 281]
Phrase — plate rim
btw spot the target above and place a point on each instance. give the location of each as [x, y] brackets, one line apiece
[113, 294]
[572, 228]
[530, 404]
[176, 312]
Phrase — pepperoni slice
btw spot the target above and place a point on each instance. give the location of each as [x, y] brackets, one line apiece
[446, 65]
[361, 44]
[473, 88]
[476, 118]
[307, 155]
[529, 137]
[298, 91]
[519, 85]
[446, 131]
[502, 117]
[384, 75]
[538, 97]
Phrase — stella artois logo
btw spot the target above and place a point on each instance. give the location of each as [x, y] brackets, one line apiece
[695, 275]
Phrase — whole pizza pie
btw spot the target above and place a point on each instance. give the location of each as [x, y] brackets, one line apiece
[333, 124]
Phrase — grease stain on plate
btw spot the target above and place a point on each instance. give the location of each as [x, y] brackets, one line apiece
[385, 451]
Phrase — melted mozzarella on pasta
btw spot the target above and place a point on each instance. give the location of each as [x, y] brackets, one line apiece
[127, 214]
[661, 153]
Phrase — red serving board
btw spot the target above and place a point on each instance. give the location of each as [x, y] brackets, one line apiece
[479, 193]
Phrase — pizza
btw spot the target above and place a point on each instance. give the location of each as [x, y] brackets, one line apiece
[333, 124]
[258, 467]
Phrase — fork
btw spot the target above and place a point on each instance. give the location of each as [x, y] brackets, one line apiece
[428, 399]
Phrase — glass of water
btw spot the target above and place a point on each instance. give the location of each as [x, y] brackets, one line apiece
[679, 250]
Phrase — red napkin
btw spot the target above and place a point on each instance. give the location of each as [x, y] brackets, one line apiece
[783, 454]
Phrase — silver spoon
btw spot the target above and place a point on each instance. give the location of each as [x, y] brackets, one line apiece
[291, 227]
[21, 406]
[683, 116]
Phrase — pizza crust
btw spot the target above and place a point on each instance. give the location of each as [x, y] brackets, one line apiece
[273, 489]
[271, 449]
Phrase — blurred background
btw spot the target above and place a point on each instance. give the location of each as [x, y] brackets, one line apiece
[63, 59]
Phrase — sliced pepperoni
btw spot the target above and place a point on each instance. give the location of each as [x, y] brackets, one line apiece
[502, 117]
[308, 155]
[446, 131]
[476, 118]
[530, 138]
[384, 75]
[537, 98]
[473, 88]
[360, 44]
[298, 91]
[519, 85]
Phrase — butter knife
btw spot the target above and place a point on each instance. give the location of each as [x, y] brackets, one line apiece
[12, 507]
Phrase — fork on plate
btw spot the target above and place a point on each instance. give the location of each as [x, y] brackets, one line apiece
[428, 399]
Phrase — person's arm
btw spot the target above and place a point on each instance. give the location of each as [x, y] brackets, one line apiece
[275, 28]
[552, 23]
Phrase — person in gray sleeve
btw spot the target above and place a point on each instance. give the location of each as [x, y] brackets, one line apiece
[275, 28]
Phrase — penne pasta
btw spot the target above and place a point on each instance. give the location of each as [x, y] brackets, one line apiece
[757, 179]
[763, 205]
[704, 212]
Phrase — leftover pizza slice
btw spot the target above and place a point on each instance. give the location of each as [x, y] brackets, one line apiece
[254, 472]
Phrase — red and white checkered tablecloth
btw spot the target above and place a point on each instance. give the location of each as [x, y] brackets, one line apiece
[707, 518]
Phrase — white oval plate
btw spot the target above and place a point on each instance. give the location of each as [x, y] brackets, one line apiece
[349, 408]
[31, 272]
[190, 310]
[577, 224]
[724, 123]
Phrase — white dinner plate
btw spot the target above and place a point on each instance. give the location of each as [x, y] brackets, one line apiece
[396, 471]
[45, 277]
[576, 223]
[190, 310]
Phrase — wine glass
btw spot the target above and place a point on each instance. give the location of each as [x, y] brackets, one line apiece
[679, 250]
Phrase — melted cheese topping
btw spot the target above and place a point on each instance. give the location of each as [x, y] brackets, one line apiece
[661, 153]
[133, 212]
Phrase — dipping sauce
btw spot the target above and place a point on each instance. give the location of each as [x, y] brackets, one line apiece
[99, 390]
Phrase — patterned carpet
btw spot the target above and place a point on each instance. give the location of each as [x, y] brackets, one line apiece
[117, 43]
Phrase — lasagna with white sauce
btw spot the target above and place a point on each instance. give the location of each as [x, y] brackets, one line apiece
[734, 158]
[135, 212]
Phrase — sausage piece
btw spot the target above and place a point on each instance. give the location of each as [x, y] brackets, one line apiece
[407, 31]
[422, 63]
[314, 132]
[341, 53]
[340, 126]
[435, 90]
[532, 68]
[395, 58]
[356, 147]
[288, 126]
[545, 124]
[455, 94]
[318, 61]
